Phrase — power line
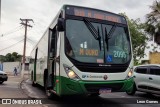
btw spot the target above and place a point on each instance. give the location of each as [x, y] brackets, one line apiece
[12, 31]
[11, 45]
[31, 40]
[37, 31]
[11, 39]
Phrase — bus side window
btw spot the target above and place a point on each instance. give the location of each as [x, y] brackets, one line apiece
[52, 44]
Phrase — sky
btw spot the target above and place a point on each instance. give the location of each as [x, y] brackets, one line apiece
[43, 11]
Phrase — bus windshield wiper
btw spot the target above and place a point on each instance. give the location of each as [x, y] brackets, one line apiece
[109, 35]
[94, 32]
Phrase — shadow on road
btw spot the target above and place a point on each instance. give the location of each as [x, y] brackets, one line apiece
[3, 84]
[148, 96]
[83, 101]
[86, 101]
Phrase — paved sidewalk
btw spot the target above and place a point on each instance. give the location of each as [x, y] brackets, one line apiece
[12, 89]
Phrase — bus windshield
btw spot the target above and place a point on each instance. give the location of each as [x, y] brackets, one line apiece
[81, 44]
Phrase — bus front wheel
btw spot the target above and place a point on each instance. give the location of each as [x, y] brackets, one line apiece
[49, 94]
[132, 91]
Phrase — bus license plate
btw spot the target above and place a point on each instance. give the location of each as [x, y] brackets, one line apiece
[104, 91]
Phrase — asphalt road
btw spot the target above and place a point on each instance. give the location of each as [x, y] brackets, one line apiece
[16, 88]
[119, 99]
[11, 89]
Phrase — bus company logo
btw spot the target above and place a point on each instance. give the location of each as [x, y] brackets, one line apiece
[105, 77]
[84, 76]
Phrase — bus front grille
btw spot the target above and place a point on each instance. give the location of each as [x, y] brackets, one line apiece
[113, 69]
[94, 88]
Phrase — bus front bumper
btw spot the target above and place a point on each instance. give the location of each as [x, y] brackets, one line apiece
[72, 87]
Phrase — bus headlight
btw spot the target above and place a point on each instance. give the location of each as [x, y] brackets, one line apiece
[130, 74]
[71, 74]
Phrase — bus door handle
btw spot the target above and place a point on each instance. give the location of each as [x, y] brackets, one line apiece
[150, 78]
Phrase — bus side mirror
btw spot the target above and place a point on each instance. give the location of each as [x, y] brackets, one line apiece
[60, 24]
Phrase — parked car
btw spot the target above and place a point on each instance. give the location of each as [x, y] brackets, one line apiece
[3, 77]
[146, 78]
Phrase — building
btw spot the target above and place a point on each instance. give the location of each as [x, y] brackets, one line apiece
[154, 58]
[9, 67]
[27, 60]
[1, 67]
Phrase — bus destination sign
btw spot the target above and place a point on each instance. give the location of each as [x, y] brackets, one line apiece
[97, 14]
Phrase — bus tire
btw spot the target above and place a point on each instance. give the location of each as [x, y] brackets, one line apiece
[133, 91]
[49, 94]
[32, 75]
[32, 79]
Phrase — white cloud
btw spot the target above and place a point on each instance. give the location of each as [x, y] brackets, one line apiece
[43, 12]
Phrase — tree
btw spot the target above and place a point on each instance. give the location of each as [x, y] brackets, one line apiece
[2, 58]
[16, 56]
[138, 38]
[153, 22]
[10, 57]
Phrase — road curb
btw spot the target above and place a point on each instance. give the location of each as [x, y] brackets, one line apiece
[20, 87]
[26, 91]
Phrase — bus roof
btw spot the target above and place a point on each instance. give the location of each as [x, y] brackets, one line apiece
[93, 13]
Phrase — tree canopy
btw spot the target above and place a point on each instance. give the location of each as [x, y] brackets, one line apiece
[10, 57]
[152, 26]
[138, 38]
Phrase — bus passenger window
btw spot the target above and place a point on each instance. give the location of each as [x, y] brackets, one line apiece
[69, 49]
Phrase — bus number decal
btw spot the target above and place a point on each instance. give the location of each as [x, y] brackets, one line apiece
[119, 54]
[88, 52]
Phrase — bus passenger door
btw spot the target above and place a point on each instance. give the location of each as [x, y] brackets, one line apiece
[51, 56]
[35, 65]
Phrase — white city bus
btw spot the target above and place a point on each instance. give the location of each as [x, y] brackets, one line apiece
[83, 51]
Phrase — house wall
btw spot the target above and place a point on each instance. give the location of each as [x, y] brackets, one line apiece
[9, 66]
[1, 67]
[154, 57]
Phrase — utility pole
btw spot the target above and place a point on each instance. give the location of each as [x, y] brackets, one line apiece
[0, 18]
[25, 23]
[0, 12]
